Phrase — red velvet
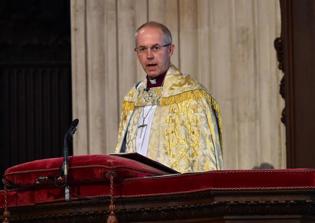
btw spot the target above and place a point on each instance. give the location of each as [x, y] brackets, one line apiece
[221, 180]
[83, 169]
[178, 183]
[53, 194]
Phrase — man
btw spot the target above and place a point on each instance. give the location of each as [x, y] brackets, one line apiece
[169, 117]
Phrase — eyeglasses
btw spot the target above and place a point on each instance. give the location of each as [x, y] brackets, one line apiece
[155, 48]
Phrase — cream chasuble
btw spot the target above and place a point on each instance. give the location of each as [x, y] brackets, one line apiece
[185, 127]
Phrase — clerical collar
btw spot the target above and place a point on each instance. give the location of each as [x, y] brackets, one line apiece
[156, 82]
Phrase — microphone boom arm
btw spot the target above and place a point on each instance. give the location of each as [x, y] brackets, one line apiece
[65, 168]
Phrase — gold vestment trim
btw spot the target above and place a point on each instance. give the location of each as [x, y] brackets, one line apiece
[188, 95]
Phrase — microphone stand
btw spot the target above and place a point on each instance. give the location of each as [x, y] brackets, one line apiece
[65, 167]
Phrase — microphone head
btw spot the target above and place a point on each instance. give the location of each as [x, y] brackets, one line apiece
[73, 126]
[75, 122]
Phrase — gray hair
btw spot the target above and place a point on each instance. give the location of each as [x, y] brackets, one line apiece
[163, 28]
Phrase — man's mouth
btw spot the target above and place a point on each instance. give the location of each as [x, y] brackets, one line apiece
[151, 65]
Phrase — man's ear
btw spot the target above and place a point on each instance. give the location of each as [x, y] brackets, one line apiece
[171, 49]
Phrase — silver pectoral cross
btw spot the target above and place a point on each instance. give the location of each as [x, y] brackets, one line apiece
[142, 127]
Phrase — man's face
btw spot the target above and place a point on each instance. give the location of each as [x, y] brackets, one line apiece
[153, 63]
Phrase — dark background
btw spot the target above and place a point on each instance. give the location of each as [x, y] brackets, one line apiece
[297, 58]
[35, 79]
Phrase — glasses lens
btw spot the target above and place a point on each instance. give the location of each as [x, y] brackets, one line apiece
[155, 48]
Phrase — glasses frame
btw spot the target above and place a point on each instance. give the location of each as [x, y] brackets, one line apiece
[155, 48]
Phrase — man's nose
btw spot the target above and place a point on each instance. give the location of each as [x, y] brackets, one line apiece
[150, 54]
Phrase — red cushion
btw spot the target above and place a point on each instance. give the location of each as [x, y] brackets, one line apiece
[83, 169]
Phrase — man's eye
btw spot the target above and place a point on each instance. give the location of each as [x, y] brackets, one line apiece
[156, 48]
[142, 49]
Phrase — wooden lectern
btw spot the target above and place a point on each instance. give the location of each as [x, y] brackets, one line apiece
[140, 192]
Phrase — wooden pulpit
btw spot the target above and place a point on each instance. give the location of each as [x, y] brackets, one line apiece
[135, 191]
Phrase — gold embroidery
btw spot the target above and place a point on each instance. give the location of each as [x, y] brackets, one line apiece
[128, 106]
[195, 95]
[148, 97]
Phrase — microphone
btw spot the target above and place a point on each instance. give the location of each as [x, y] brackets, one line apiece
[65, 168]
